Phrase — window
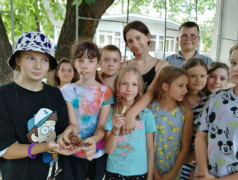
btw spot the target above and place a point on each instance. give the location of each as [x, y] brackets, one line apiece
[101, 40]
[161, 43]
[117, 39]
[152, 45]
[105, 38]
[171, 45]
[108, 37]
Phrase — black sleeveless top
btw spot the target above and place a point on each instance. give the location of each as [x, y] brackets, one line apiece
[149, 77]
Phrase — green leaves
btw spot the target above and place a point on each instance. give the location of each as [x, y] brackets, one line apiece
[28, 14]
[89, 2]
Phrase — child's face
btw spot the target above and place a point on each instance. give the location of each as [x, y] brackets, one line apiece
[137, 42]
[197, 78]
[65, 73]
[178, 88]
[33, 65]
[217, 80]
[129, 86]
[86, 67]
[234, 66]
[188, 38]
[110, 62]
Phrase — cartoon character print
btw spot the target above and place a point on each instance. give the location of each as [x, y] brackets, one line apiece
[233, 167]
[214, 130]
[235, 111]
[225, 148]
[214, 167]
[42, 129]
[226, 132]
[227, 97]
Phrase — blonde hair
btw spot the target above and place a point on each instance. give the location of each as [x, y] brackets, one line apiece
[235, 46]
[167, 75]
[117, 83]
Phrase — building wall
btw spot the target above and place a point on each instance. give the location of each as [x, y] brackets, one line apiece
[225, 29]
[112, 33]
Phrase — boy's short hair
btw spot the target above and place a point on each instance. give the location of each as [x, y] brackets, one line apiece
[189, 24]
[110, 48]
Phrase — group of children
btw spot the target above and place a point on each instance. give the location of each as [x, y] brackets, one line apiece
[37, 120]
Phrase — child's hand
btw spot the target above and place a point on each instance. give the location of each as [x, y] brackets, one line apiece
[118, 120]
[53, 146]
[129, 125]
[90, 147]
[64, 140]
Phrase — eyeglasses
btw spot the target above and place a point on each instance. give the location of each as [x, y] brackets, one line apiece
[185, 36]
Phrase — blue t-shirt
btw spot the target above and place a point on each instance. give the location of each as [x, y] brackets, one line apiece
[178, 59]
[130, 155]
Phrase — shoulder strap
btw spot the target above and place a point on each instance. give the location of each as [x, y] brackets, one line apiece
[157, 62]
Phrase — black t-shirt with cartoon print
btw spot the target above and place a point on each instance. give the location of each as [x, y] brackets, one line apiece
[27, 117]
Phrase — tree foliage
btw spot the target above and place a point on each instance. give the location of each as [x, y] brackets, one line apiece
[179, 11]
[28, 14]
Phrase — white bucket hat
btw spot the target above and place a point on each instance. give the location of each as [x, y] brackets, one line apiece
[33, 41]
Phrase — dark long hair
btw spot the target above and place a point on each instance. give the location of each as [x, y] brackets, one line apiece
[136, 25]
[56, 78]
[78, 50]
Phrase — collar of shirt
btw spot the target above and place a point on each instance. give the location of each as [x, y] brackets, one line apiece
[179, 55]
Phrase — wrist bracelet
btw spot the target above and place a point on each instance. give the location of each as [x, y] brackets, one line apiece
[29, 151]
[114, 134]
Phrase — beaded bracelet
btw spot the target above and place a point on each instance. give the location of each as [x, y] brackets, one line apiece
[29, 151]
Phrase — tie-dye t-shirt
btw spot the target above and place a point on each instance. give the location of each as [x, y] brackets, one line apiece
[220, 120]
[87, 103]
[167, 139]
[130, 157]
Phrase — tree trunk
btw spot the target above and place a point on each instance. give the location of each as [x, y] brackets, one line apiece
[6, 73]
[86, 28]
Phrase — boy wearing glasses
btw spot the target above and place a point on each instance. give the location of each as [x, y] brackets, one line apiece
[188, 40]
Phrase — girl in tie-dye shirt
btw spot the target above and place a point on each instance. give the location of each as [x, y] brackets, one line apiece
[88, 103]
